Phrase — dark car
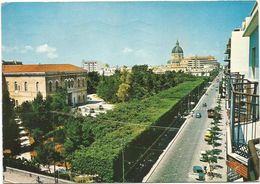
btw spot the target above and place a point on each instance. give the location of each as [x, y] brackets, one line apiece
[198, 115]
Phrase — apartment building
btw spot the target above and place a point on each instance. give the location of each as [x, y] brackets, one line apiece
[242, 102]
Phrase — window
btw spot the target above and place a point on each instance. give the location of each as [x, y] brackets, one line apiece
[253, 61]
[69, 83]
[15, 86]
[37, 86]
[83, 98]
[7, 85]
[78, 83]
[50, 86]
[57, 85]
[25, 86]
[66, 83]
[16, 103]
[83, 83]
[72, 83]
[79, 99]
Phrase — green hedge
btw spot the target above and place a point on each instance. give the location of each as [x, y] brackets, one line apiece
[134, 118]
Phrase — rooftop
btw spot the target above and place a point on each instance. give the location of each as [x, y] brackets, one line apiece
[41, 68]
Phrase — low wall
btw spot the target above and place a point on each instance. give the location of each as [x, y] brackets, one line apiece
[33, 176]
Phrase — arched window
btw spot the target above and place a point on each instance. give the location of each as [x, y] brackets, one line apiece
[37, 86]
[25, 86]
[78, 83]
[66, 83]
[69, 83]
[72, 83]
[50, 86]
[79, 99]
[83, 83]
[15, 86]
[57, 85]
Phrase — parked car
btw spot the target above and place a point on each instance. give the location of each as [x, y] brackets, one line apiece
[210, 113]
[92, 110]
[197, 169]
[208, 136]
[101, 107]
[198, 115]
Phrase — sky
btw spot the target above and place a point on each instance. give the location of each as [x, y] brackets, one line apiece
[117, 33]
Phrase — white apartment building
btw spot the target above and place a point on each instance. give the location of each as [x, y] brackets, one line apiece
[239, 51]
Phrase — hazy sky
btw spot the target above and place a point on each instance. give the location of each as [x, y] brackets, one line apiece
[118, 33]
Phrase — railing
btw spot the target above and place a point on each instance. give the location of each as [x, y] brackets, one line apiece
[244, 112]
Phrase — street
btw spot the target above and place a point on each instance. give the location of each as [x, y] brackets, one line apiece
[176, 165]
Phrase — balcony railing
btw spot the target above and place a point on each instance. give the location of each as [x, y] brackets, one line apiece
[244, 112]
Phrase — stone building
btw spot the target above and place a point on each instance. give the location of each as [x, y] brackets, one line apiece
[25, 81]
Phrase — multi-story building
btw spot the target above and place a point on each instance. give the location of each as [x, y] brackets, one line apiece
[25, 81]
[240, 51]
[90, 66]
[202, 62]
[243, 127]
[95, 66]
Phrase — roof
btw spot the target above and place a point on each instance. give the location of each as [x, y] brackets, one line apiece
[177, 48]
[41, 68]
[202, 58]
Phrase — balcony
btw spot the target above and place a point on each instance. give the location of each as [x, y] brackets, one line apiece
[243, 110]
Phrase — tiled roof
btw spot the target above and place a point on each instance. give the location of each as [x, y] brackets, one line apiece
[41, 68]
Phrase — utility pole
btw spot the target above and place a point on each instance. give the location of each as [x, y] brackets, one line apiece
[123, 164]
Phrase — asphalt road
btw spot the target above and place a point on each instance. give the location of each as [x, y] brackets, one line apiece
[177, 162]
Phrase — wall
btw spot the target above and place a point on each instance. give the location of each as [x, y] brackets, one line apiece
[22, 95]
[254, 42]
[239, 53]
[30, 177]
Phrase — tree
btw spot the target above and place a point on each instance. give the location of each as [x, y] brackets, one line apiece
[122, 92]
[93, 79]
[73, 134]
[46, 154]
[10, 127]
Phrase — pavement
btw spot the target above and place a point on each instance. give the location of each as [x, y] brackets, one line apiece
[95, 103]
[175, 165]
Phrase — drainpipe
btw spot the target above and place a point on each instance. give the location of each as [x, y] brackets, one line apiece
[253, 161]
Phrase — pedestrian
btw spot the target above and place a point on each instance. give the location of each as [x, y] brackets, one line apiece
[38, 179]
[205, 169]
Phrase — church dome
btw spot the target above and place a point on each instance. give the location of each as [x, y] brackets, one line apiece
[177, 48]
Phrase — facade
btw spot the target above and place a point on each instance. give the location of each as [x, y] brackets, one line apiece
[24, 82]
[240, 52]
[95, 66]
[242, 105]
[252, 32]
[202, 62]
[90, 66]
